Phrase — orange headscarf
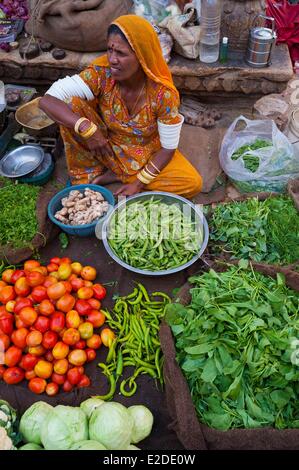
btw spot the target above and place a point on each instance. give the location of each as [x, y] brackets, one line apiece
[145, 43]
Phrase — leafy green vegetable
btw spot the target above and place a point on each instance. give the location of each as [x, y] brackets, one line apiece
[259, 230]
[64, 241]
[251, 160]
[18, 222]
[235, 346]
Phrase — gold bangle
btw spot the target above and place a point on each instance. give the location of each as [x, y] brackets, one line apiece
[78, 122]
[142, 179]
[149, 171]
[152, 163]
[147, 175]
[90, 131]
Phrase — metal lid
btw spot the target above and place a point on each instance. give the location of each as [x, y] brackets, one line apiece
[263, 34]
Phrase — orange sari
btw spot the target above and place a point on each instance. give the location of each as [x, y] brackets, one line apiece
[134, 139]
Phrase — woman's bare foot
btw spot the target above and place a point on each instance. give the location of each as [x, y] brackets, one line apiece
[106, 178]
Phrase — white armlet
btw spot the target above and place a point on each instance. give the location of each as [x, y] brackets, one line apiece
[170, 134]
[70, 86]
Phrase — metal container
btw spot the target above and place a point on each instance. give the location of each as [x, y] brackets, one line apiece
[21, 161]
[168, 198]
[260, 44]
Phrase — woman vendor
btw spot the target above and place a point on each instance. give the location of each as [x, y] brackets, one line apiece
[119, 117]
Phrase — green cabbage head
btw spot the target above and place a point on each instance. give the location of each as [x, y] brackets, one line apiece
[142, 422]
[63, 427]
[32, 420]
[89, 405]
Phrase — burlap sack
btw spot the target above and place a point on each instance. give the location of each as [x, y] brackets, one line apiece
[196, 436]
[46, 230]
[77, 25]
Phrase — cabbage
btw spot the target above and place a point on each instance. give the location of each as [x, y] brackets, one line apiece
[89, 405]
[31, 421]
[88, 445]
[31, 446]
[142, 422]
[63, 426]
[111, 424]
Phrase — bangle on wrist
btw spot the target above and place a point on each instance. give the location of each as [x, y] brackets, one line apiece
[150, 172]
[146, 175]
[154, 166]
[89, 132]
[142, 179]
[78, 123]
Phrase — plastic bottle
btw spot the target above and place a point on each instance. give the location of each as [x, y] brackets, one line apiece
[210, 19]
[223, 50]
[2, 97]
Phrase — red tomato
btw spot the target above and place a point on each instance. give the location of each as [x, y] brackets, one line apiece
[31, 264]
[34, 278]
[81, 344]
[7, 293]
[7, 274]
[6, 322]
[77, 357]
[82, 307]
[55, 260]
[76, 267]
[99, 291]
[19, 322]
[34, 338]
[21, 303]
[39, 293]
[61, 366]
[4, 342]
[52, 389]
[58, 378]
[65, 260]
[42, 324]
[107, 337]
[95, 303]
[28, 362]
[42, 270]
[57, 322]
[68, 286]
[86, 330]
[76, 283]
[72, 319]
[37, 350]
[50, 338]
[97, 318]
[12, 356]
[19, 336]
[28, 315]
[88, 273]
[46, 307]
[67, 386]
[94, 342]
[49, 281]
[16, 275]
[65, 303]
[22, 287]
[2, 370]
[91, 354]
[56, 291]
[10, 306]
[84, 382]
[37, 385]
[43, 369]
[71, 336]
[30, 374]
[60, 350]
[73, 376]
[13, 375]
[52, 267]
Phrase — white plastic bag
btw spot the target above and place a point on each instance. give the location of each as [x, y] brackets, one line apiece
[276, 162]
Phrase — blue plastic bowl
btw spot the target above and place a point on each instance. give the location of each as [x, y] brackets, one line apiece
[79, 230]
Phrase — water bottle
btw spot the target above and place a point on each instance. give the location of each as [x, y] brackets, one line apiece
[210, 19]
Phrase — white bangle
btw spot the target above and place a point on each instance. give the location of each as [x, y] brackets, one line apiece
[170, 134]
[68, 87]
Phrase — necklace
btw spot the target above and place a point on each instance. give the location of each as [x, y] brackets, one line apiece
[137, 100]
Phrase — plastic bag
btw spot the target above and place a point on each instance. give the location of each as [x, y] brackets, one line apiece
[276, 162]
[155, 10]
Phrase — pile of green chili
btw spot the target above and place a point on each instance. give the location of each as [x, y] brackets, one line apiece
[237, 345]
[152, 235]
[18, 221]
[136, 321]
[260, 230]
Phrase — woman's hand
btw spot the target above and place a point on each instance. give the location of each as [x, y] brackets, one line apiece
[130, 189]
[99, 146]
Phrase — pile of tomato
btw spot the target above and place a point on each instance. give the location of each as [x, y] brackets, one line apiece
[48, 315]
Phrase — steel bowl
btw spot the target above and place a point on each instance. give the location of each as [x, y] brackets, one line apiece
[168, 198]
[21, 161]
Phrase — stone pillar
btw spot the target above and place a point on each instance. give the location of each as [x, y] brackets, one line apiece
[237, 19]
